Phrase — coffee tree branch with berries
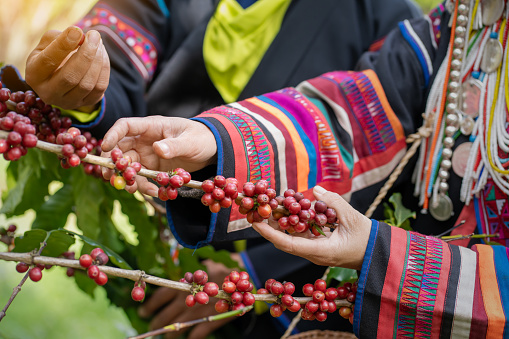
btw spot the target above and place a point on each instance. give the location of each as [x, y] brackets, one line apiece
[27, 122]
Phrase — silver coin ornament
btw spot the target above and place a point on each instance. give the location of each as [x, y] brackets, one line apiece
[492, 56]
[467, 125]
[470, 97]
[441, 209]
[492, 10]
[460, 158]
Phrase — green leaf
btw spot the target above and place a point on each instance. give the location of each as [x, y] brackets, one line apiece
[34, 194]
[16, 193]
[319, 229]
[401, 213]
[221, 256]
[54, 212]
[88, 195]
[49, 163]
[57, 242]
[145, 227]
[86, 284]
[341, 274]
[114, 257]
[389, 214]
[188, 261]
[109, 236]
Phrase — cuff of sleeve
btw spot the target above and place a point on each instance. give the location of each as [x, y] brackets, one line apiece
[366, 263]
[86, 120]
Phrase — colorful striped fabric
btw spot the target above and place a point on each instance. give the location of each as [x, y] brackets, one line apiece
[443, 291]
[286, 137]
[140, 46]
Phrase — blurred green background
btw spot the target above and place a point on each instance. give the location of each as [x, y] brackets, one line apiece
[54, 307]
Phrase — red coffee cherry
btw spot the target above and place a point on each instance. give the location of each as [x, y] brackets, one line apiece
[138, 293]
[35, 274]
[190, 301]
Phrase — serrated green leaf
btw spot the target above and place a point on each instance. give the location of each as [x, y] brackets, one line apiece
[53, 212]
[341, 274]
[57, 242]
[88, 195]
[114, 257]
[401, 213]
[16, 193]
[85, 284]
[221, 256]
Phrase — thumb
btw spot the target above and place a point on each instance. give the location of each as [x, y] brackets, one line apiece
[332, 200]
[53, 48]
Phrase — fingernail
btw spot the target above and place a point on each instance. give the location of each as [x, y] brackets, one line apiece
[74, 35]
[94, 38]
[319, 190]
[164, 147]
[152, 193]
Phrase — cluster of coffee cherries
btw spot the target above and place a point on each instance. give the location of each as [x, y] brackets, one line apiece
[301, 214]
[35, 272]
[29, 119]
[125, 170]
[257, 201]
[92, 261]
[239, 287]
[74, 147]
[171, 182]
[201, 288]
[220, 192]
[21, 135]
[138, 291]
[322, 300]
[284, 292]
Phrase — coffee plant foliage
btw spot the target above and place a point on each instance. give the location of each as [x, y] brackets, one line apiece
[92, 201]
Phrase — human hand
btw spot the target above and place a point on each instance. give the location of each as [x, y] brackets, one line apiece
[64, 73]
[168, 306]
[344, 247]
[160, 144]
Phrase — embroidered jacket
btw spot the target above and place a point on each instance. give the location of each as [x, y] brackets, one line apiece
[346, 131]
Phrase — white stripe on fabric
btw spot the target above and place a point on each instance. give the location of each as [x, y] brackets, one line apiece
[431, 32]
[465, 294]
[418, 41]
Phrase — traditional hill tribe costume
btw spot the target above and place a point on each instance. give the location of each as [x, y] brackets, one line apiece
[168, 58]
[346, 131]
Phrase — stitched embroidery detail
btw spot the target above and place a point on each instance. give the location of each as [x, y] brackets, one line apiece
[133, 40]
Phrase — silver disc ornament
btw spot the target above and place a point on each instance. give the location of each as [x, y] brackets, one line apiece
[492, 10]
[470, 97]
[441, 210]
[460, 158]
[492, 54]
[467, 125]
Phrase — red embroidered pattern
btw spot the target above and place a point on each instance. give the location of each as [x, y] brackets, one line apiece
[131, 40]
